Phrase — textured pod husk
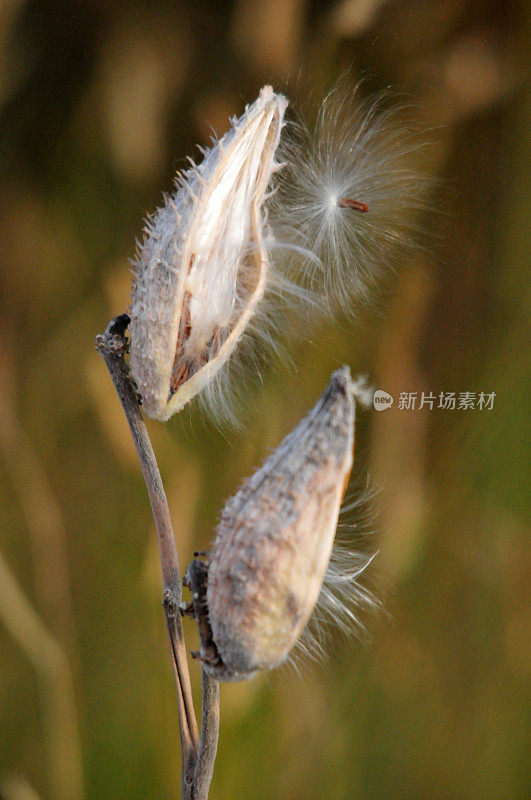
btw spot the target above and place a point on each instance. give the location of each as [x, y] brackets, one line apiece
[274, 541]
[201, 268]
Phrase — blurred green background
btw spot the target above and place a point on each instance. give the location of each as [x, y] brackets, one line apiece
[100, 103]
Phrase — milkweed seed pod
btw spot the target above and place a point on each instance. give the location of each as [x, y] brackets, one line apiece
[236, 242]
[273, 544]
[201, 268]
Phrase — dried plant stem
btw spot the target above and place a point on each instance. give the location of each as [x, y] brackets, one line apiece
[44, 520]
[197, 756]
[15, 787]
[57, 686]
[209, 736]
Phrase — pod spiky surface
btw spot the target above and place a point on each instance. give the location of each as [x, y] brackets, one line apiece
[275, 537]
[201, 268]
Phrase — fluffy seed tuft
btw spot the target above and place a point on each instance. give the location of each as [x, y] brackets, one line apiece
[356, 156]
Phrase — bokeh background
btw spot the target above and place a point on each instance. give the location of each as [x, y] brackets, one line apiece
[99, 104]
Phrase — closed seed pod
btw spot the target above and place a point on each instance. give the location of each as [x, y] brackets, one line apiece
[273, 544]
[201, 268]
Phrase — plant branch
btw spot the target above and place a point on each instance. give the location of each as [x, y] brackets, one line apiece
[44, 521]
[57, 685]
[197, 756]
[209, 736]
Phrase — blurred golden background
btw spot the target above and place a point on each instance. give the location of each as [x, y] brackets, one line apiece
[100, 103]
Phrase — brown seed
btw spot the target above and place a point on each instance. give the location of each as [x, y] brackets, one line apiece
[347, 202]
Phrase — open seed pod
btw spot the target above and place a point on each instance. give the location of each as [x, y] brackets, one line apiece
[264, 574]
[201, 268]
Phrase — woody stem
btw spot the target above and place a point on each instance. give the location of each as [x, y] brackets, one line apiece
[196, 766]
